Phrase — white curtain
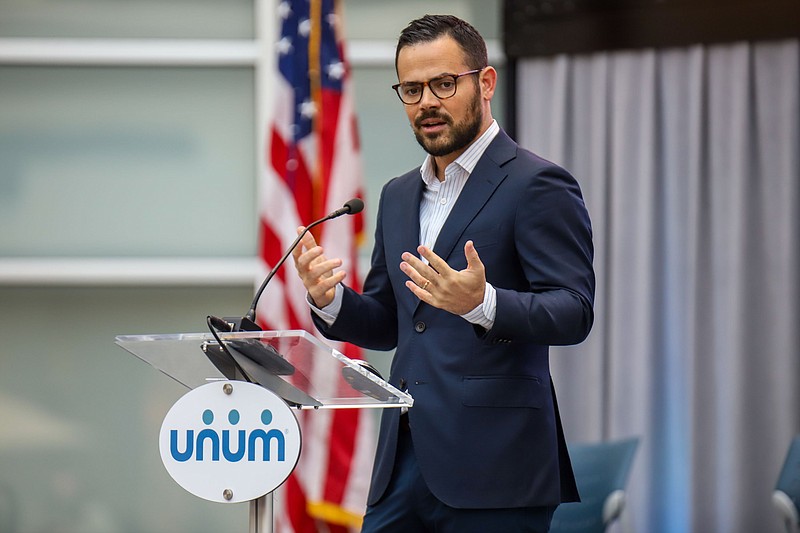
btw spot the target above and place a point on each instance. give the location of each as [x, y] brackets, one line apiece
[689, 161]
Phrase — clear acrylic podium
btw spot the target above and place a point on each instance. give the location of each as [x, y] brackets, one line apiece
[295, 365]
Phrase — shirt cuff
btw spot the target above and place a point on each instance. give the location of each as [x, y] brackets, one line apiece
[484, 314]
[328, 313]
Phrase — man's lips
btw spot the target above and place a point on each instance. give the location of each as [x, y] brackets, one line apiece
[432, 124]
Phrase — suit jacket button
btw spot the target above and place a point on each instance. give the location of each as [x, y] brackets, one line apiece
[419, 327]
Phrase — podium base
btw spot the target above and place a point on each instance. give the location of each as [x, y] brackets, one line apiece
[261, 514]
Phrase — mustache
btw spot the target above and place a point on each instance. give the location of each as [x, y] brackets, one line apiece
[431, 114]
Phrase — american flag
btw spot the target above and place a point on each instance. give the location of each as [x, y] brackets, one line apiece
[312, 167]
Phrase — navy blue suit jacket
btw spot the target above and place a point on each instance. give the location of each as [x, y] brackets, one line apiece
[485, 422]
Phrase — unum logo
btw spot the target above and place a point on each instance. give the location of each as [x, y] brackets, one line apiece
[230, 441]
[234, 445]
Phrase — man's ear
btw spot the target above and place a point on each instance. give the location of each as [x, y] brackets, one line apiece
[488, 82]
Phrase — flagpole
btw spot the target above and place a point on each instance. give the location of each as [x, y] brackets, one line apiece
[315, 78]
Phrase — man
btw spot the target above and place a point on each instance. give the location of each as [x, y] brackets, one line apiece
[482, 259]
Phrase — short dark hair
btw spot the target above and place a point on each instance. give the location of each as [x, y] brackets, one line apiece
[431, 27]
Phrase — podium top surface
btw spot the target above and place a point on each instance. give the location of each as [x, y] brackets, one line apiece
[297, 366]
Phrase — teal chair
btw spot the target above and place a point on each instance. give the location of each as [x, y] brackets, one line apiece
[786, 497]
[601, 472]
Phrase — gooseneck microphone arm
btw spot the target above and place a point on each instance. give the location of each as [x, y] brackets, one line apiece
[351, 207]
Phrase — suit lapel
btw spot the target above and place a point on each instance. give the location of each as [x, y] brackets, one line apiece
[401, 223]
[407, 218]
[480, 186]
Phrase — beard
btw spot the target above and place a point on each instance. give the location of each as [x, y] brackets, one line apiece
[459, 136]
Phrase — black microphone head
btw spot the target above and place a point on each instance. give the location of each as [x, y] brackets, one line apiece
[356, 205]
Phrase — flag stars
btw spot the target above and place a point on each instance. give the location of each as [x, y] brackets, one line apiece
[304, 27]
[308, 109]
[336, 70]
[284, 10]
[284, 46]
[331, 19]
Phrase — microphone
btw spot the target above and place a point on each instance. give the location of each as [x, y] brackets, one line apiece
[248, 321]
[268, 359]
[350, 207]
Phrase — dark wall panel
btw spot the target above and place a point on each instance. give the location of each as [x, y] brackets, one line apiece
[548, 27]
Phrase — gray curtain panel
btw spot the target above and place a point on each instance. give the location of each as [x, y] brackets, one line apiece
[689, 161]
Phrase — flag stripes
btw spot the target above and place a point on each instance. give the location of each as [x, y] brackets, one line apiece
[312, 166]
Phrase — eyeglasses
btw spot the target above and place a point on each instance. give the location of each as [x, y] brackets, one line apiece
[442, 87]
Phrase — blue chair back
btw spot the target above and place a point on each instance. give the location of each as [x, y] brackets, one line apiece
[786, 497]
[601, 472]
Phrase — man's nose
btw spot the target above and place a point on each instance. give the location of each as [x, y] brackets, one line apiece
[428, 98]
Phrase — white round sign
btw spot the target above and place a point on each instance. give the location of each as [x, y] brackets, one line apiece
[230, 441]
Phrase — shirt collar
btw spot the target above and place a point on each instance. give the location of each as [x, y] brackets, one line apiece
[468, 160]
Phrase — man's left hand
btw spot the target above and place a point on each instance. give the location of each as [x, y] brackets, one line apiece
[435, 283]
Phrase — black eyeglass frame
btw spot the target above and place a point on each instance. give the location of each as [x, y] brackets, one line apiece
[427, 84]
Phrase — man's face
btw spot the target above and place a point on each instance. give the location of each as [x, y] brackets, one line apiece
[444, 128]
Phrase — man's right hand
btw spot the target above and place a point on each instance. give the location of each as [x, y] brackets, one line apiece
[316, 271]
